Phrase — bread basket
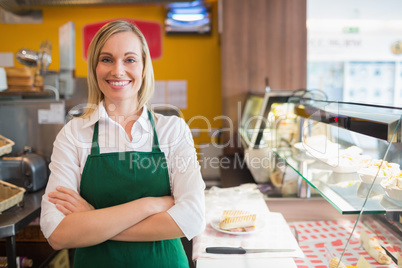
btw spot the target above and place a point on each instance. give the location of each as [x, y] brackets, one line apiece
[5, 145]
[10, 195]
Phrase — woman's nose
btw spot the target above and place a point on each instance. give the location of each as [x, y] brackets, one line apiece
[118, 69]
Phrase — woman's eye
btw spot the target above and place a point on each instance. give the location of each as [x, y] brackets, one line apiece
[131, 60]
[105, 60]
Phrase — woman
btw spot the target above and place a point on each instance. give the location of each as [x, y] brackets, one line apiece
[124, 187]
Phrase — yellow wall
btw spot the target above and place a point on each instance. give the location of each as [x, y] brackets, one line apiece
[194, 58]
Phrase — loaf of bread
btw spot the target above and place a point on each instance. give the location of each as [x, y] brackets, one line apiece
[20, 80]
[18, 71]
[23, 79]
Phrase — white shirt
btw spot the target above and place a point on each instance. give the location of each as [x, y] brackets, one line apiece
[73, 145]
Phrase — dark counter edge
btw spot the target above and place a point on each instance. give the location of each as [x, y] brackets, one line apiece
[16, 218]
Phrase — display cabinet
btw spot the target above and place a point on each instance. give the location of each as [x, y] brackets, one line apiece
[263, 126]
[348, 153]
[351, 154]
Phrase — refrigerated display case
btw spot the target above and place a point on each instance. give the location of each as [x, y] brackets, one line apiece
[351, 155]
[263, 126]
[268, 121]
[262, 110]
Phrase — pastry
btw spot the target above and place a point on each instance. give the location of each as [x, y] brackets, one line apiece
[374, 249]
[237, 221]
[363, 263]
[234, 213]
[336, 263]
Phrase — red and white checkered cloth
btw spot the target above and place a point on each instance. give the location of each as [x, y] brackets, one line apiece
[323, 240]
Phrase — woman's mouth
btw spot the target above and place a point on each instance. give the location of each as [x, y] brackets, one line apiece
[118, 84]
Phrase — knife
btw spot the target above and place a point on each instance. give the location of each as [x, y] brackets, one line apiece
[240, 250]
[390, 254]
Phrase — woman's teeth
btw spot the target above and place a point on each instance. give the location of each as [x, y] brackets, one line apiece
[123, 83]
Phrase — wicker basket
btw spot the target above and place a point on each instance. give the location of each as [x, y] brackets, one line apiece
[10, 195]
[5, 145]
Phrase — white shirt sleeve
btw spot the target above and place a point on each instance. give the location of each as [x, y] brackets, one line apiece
[64, 171]
[187, 184]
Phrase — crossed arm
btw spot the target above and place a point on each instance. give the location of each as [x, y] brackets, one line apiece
[143, 219]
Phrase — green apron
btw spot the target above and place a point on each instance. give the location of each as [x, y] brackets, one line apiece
[111, 179]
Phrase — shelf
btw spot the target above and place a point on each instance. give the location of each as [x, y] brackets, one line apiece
[344, 191]
[374, 121]
[25, 94]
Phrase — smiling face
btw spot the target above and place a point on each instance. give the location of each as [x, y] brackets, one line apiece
[119, 69]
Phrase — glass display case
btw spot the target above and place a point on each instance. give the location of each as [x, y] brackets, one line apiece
[346, 150]
[351, 154]
[261, 128]
[261, 112]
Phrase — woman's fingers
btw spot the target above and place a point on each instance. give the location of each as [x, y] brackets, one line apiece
[80, 201]
[63, 210]
[69, 200]
[63, 203]
[62, 196]
[68, 192]
[62, 206]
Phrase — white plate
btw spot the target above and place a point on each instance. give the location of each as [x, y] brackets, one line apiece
[369, 178]
[393, 193]
[340, 165]
[344, 169]
[259, 225]
[318, 154]
[299, 146]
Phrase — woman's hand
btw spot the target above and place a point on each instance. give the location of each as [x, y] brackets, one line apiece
[68, 201]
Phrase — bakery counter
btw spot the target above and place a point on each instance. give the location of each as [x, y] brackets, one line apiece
[271, 232]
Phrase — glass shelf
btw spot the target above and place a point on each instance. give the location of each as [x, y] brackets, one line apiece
[376, 130]
[333, 142]
[344, 191]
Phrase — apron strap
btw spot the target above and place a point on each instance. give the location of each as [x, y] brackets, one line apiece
[155, 142]
[95, 144]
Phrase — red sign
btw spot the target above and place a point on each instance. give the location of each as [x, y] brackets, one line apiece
[151, 30]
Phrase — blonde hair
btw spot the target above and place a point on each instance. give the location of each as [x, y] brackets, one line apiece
[95, 95]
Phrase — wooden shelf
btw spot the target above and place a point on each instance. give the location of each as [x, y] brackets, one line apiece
[25, 94]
